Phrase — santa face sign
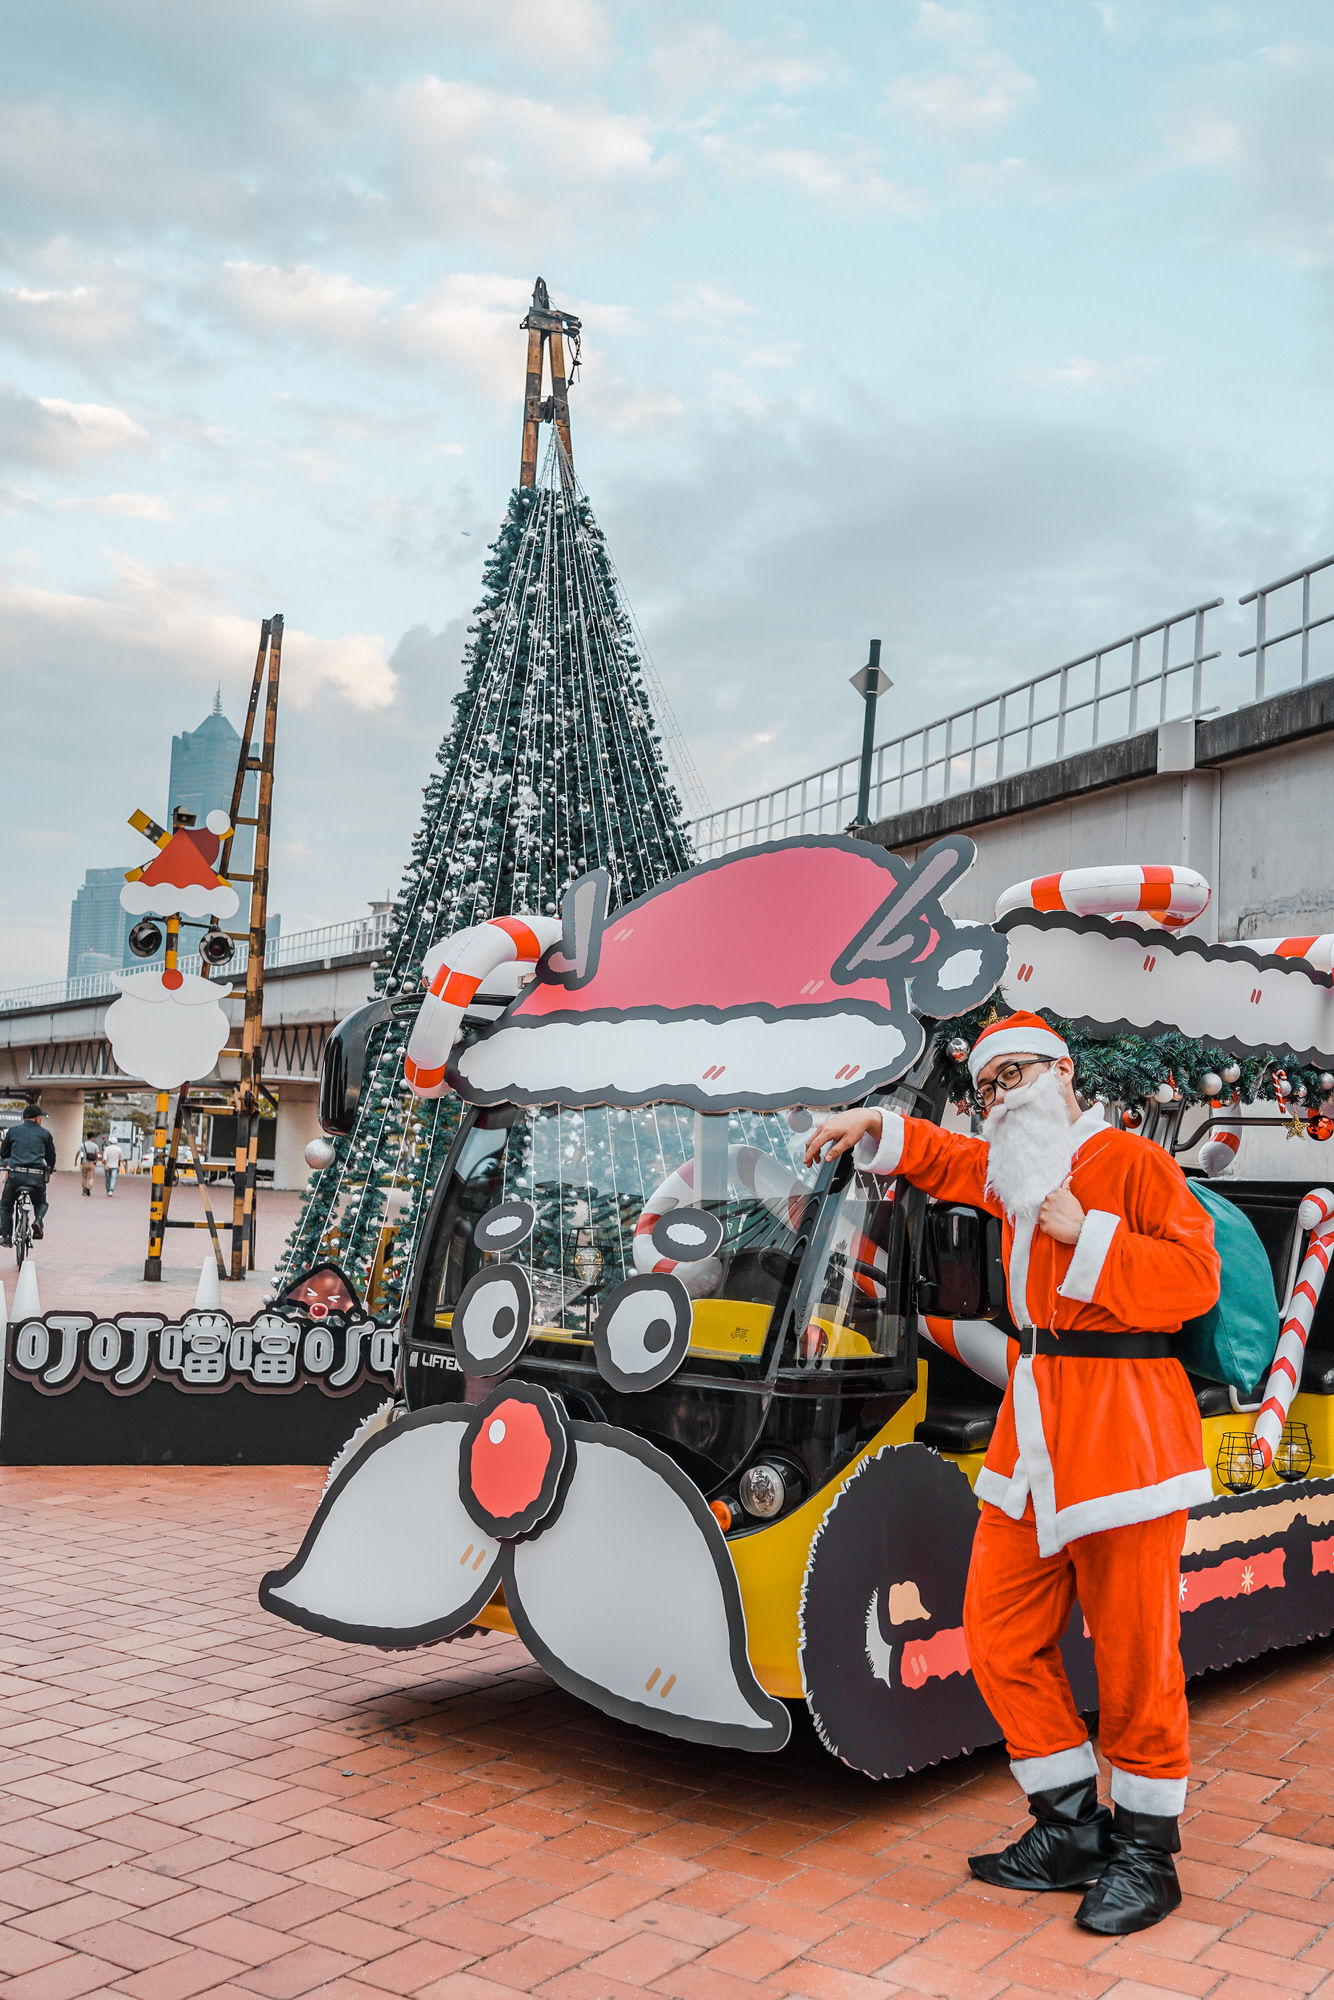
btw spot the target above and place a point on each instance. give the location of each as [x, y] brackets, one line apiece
[791, 973]
[167, 1028]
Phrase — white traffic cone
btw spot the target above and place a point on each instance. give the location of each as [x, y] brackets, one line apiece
[27, 1303]
[207, 1296]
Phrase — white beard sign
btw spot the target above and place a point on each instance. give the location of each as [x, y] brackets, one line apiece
[167, 1027]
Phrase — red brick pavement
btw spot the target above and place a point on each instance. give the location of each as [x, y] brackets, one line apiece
[93, 1253]
[199, 1799]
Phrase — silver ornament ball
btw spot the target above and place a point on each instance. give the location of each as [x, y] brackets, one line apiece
[1165, 1094]
[1211, 1083]
[319, 1154]
[1232, 1074]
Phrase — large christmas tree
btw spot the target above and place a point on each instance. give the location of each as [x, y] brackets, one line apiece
[553, 765]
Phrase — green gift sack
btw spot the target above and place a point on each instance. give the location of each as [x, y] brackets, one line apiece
[1234, 1341]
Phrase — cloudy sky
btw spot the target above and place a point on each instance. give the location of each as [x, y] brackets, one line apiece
[991, 329]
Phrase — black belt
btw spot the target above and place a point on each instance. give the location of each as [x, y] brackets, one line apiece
[1096, 1346]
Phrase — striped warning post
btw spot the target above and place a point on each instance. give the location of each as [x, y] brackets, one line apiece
[1168, 896]
[1316, 1214]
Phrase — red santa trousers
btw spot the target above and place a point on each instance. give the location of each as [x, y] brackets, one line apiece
[1017, 1607]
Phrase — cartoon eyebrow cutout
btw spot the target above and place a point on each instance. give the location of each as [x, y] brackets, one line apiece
[615, 1573]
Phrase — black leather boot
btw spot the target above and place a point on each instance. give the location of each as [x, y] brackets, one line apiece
[1139, 1886]
[1066, 1847]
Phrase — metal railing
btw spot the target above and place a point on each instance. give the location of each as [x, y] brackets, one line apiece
[1154, 675]
[357, 935]
[1149, 676]
[1276, 653]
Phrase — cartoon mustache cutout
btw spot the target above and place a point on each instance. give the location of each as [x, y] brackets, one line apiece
[615, 1573]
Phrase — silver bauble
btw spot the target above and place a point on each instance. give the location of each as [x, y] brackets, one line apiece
[319, 1153]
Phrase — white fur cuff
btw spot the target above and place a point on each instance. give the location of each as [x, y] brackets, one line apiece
[884, 1158]
[1095, 1240]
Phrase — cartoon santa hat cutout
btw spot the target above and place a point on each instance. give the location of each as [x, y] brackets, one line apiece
[787, 974]
[1017, 1035]
[167, 1028]
[180, 880]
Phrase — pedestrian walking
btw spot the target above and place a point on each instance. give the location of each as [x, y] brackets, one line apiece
[112, 1159]
[88, 1156]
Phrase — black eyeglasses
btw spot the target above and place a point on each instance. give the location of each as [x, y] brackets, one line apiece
[1009, 1077]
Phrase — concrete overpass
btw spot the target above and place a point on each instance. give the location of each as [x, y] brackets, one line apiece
[53, 1043]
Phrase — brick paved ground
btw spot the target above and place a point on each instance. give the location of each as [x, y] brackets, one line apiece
[93, 1253]
[200, 1799]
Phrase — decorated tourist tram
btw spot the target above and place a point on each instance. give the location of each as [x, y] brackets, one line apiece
[699, 1422]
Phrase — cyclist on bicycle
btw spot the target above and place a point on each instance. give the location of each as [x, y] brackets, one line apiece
[29, 1153]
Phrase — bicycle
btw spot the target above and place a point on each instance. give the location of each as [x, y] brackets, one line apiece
[25, 1223]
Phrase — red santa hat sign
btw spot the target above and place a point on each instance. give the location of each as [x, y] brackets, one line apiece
[180, 881]
[787, 974]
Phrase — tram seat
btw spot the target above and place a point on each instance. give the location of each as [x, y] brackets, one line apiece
[957, 1427]
[961, 1408]
[1211, 1398]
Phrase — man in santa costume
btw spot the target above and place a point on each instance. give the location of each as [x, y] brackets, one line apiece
[1095, 1459]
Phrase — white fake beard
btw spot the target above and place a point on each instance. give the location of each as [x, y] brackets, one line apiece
[1030, 1144]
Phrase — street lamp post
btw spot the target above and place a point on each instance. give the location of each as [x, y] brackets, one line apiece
[870, 684]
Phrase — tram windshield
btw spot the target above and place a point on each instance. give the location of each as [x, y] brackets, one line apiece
[593, 1177]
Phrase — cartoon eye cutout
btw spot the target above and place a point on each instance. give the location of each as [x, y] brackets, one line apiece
[492, 1319]
[688, 1235]
[642, 1334]
[504, 1227]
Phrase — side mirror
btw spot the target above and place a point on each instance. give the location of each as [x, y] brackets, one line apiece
[343, 1063]
[961, 1275]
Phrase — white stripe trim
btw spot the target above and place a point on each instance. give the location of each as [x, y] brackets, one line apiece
[1016, 1271]
[1163, 1797]
[1124, 1510]
[1091, 1249]
[1014, 1042]
[884, 1158]
[1063, 1767]
[1010, 1495]
[1034, 1455]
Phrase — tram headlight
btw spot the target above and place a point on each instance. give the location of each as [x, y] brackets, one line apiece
[764, 1490]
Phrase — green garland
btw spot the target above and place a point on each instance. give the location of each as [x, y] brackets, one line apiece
[1127, 1069]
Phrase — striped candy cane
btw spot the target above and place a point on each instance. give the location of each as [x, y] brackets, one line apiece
[1316, 1214]
[1220, 1148]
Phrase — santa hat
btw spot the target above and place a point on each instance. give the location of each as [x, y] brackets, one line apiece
[180, 879]
[776, 976]
[1016, 1035]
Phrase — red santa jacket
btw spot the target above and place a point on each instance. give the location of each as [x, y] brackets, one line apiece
[1087, 1443]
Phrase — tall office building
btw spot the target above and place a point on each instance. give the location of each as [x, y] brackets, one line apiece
[200, 780]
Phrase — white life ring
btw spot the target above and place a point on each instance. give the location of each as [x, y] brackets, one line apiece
[988, 1350]
[1168, 896]
[453, 970]
[781, 1192]
[1317, 951]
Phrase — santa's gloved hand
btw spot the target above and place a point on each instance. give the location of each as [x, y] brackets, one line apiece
[1061, 1216]
[840, 1134]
